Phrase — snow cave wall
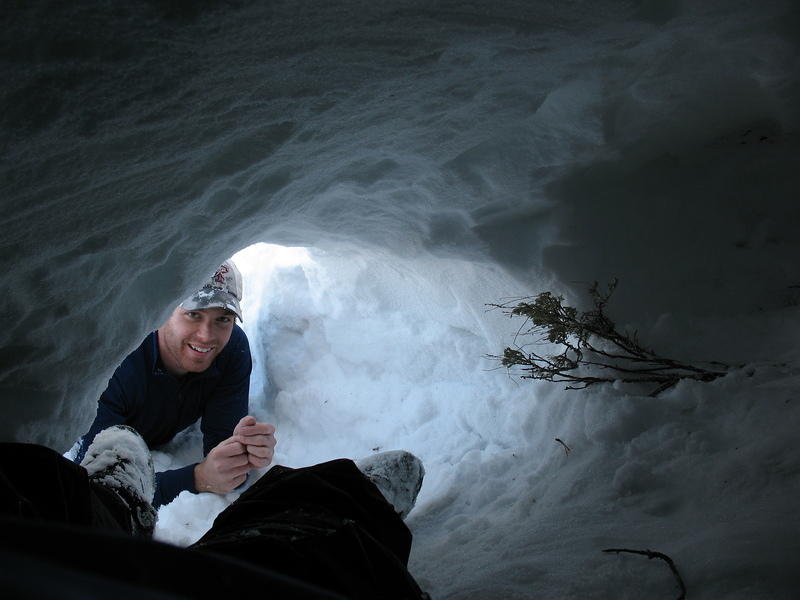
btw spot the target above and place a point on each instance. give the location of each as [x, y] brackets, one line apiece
[435, 157]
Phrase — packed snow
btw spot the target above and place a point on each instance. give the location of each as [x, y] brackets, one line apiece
[406, 164]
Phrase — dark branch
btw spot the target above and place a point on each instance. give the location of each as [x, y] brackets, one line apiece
[651, 554]
[567, 449]
[592, 350]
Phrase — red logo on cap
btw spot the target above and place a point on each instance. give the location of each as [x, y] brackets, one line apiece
[219, 276]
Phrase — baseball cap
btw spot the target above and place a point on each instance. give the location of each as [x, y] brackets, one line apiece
[223, 290]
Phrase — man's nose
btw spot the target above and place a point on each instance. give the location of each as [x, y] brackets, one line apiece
[205, 331]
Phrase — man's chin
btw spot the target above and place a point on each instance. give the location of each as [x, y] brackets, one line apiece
[197, 365]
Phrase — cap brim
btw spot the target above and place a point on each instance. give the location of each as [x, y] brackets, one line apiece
[206, 298]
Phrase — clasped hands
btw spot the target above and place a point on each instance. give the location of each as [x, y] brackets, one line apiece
[251, 446]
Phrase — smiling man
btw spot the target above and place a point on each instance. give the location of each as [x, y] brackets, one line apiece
[194, 367]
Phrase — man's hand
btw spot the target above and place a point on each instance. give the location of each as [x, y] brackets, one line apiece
[258, 440]
[224, 468]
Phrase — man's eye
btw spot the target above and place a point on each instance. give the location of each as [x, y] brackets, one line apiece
[192, 314]
[224, 319]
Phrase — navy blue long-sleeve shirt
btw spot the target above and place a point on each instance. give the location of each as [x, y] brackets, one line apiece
[143, 395]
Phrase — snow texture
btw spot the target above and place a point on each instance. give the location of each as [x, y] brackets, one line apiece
[420, 160]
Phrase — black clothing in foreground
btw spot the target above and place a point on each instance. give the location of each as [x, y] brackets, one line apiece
[319, 532]
[326, 524]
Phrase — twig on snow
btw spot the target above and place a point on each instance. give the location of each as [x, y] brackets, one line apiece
[651, 554]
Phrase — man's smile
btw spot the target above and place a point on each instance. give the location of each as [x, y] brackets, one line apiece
[201, 349]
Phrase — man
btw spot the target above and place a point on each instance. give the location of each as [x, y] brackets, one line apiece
[195, 366]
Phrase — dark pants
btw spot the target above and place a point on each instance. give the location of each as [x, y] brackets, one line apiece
[318, 532]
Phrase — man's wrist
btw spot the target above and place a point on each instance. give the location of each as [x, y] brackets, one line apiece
[201, 484]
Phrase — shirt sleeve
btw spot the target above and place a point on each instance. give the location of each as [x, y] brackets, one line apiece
[171, 483]
[112, 409]
[229, 402]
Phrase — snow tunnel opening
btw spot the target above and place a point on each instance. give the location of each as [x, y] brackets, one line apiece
[357, 350]
[260, 265]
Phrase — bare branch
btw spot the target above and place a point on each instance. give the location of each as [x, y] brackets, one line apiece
[590, 345]
[650, 554]
[567, 449]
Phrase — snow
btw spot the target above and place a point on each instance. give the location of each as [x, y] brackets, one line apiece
[414, 162]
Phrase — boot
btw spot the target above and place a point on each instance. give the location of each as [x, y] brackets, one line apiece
[397, 474]
[119, 460]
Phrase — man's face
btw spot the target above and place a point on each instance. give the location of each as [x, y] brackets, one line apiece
[190, 340]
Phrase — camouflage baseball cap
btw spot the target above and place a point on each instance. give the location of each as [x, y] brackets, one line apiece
[222, 290]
